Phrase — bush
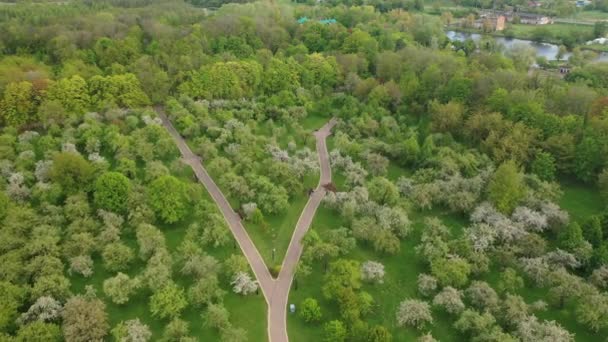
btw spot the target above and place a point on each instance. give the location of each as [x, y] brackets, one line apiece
[310, 310]
[275, 270]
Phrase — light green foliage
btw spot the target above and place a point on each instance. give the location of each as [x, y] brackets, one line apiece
[310, 311]
[280, 75]
[383, 191]
[334, 331]
[117, 91]
[12, 298]
[224, 80]
[39, 331]
[120, 287]
[319, 70]
[117, 256]
[510, 281]
[451, 272]
[360, 41]
[112, 192]
[342, 275]
[18, 104]
[506, 188]
[72, 93]
[168, 198]
[168, 302]
[378, 333]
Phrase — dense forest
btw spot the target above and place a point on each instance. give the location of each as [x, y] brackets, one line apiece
[469, 194]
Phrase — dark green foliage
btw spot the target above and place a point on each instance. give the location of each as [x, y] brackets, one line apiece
[588, 159]
[72, 172]
[112, 192]
[168, 198]
[544, 166]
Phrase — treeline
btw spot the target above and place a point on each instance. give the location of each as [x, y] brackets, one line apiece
[225, 57]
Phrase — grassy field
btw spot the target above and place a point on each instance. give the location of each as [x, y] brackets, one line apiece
[402, 271]
[248, 312]
[590, 15]
[279, 227]
[555, 30]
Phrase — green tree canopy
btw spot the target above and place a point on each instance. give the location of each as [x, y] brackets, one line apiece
[506, 188]
[112, 192]
[168, 198]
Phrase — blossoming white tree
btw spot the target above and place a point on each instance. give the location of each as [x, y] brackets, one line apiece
[414, 313]
[243, 284]
[372, 271]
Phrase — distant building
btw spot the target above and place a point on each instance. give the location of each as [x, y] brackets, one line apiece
[531, 18]
[519, 17]
[491, 22]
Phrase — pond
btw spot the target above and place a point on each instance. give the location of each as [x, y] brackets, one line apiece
[546, 50]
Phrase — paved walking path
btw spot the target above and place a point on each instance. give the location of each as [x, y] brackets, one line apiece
[275, 291]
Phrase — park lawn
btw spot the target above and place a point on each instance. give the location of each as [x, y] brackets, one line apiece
[247, 312]
[403, 269]
[580, 200]
[313, 122]
[596, 47]
[399, 284]
[395, 171]
[557, 30]
[591, 15]
[279, 227]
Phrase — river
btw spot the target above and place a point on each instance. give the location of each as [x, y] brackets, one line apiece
[547, 50]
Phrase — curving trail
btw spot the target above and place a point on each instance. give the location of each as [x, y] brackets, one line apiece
[275, 291]
[277, 323]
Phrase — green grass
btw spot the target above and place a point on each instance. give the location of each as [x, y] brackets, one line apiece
[399, 283]
[590, 15]
[596, 47]
[580, 200]
[280, 227]
[313, 122]
[556, 30]
[248, 312]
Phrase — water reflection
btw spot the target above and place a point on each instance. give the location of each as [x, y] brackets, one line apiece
[547, 50]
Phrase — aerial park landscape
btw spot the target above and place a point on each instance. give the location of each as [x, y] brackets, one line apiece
[337, 171]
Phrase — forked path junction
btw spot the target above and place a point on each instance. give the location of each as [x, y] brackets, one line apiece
[275, 291]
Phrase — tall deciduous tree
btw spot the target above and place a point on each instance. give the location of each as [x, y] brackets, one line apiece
[168, 198]
[112, 192]
[84, 319]
[18, 106]
[72, 172]
[168, 302]
[506, 188]
[414, 313]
